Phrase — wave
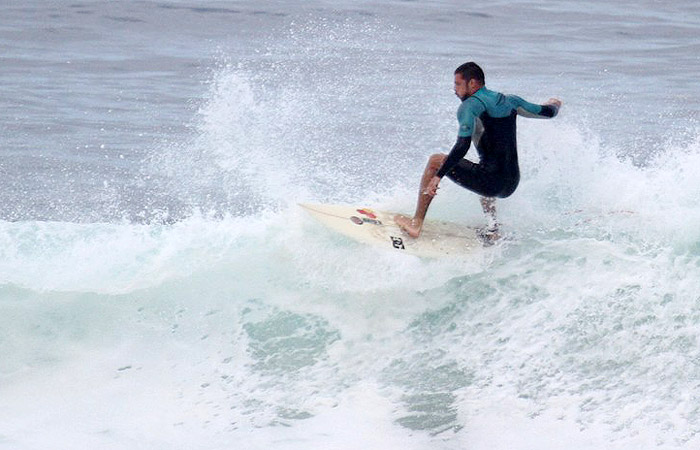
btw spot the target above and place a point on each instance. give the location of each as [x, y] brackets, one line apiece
[248, 323]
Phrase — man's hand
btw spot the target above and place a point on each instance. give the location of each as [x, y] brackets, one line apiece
[554, 101]
[432, 187]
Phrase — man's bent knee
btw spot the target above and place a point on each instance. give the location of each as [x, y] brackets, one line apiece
[436, 160]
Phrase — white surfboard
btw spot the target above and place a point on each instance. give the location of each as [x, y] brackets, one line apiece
[377, 228]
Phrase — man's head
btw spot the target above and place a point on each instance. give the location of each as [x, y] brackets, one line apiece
[469, 78]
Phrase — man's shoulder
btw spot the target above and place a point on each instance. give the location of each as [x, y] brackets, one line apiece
[471, 105]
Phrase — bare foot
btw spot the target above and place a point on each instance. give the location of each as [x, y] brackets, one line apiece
[409, 225]
[488, 236]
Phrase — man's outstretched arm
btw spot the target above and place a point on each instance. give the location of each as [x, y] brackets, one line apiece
[546, 111]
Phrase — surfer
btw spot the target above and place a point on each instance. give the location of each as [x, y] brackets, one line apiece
[486, 118]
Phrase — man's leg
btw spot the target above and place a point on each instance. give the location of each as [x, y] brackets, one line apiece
[488, 204]
[413, 226]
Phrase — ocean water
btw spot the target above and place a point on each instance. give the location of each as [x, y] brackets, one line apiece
[160, 289]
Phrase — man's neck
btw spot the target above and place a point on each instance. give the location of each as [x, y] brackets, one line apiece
[473, 93]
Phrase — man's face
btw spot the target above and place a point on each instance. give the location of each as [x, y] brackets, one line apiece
[461, 88]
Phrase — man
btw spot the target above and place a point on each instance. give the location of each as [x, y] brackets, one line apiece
[488, 119]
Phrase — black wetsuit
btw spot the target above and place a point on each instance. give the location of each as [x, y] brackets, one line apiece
[488, 118]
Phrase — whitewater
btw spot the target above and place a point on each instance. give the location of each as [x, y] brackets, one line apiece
[160, 288]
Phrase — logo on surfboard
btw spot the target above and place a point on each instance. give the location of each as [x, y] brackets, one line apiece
[397, 242]
[370, 217]
[359, 221]
[367, 212]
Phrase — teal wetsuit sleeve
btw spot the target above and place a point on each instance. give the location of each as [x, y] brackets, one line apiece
[458, 152]
[527, 109]
[467, 113]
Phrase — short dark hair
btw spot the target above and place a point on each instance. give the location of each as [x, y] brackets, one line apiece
[471, 70]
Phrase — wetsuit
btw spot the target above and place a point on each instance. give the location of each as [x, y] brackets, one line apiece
[488, 118]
